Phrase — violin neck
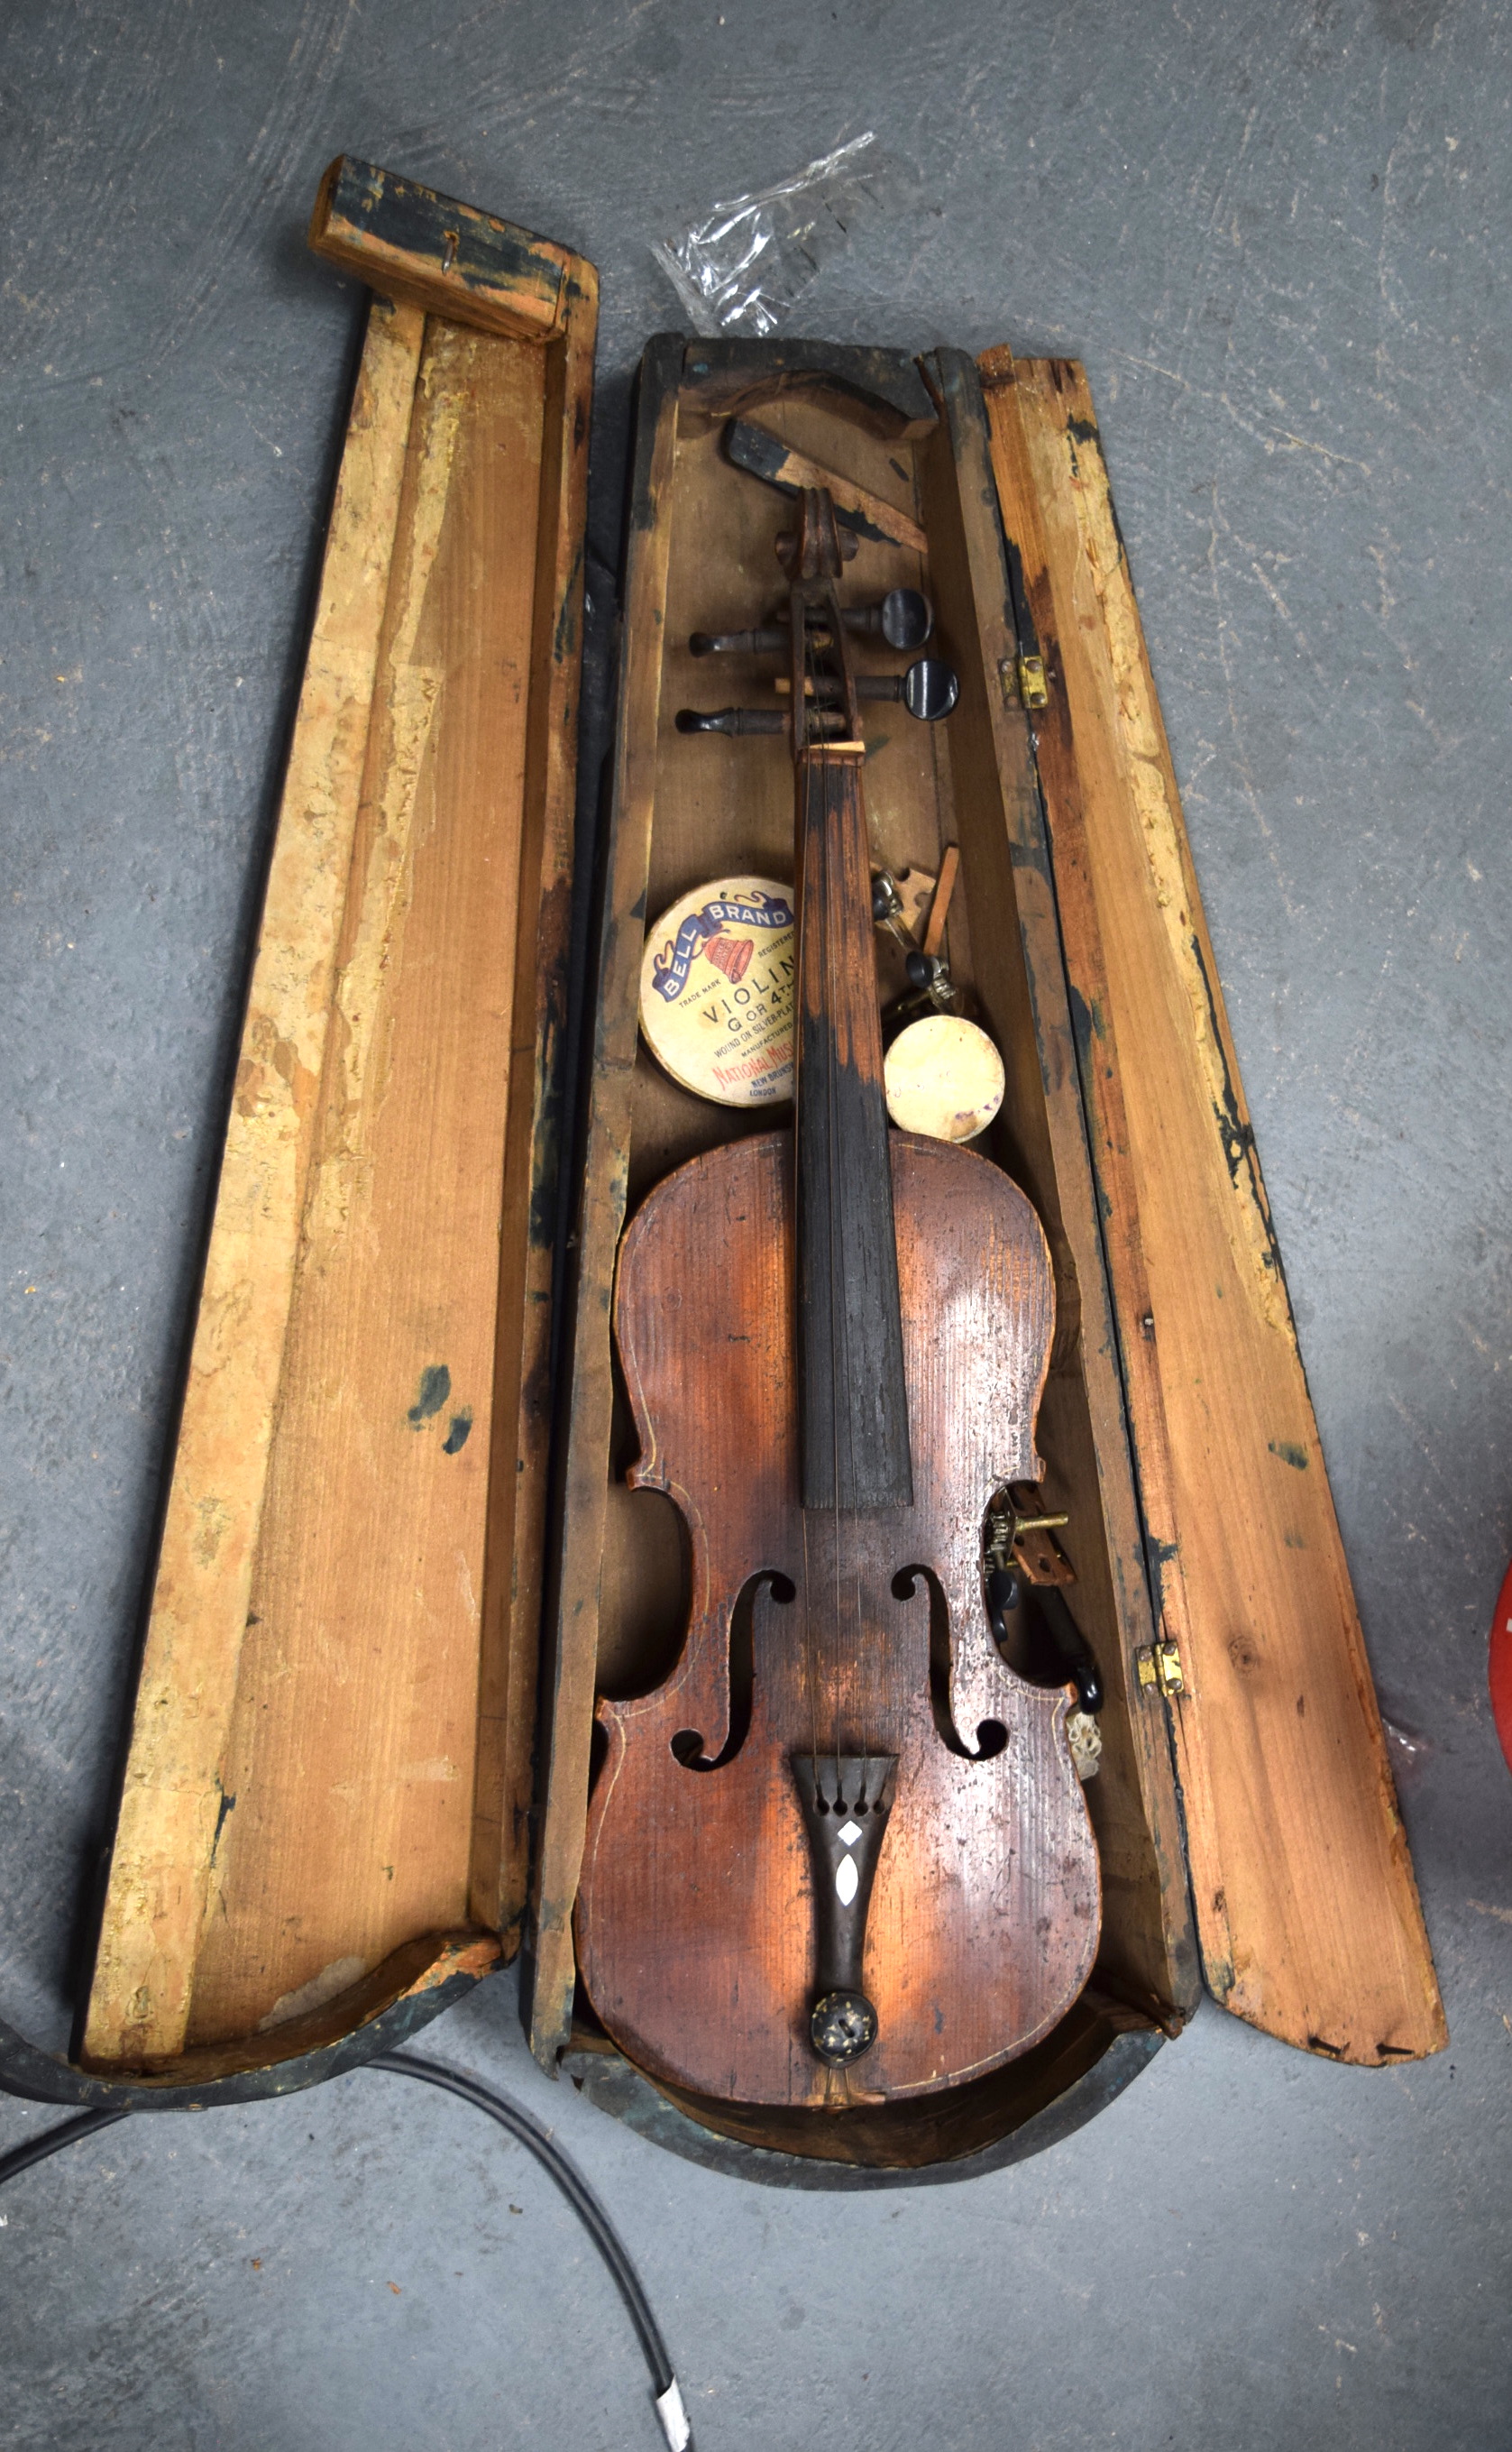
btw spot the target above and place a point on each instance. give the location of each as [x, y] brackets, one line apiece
[852, 1398]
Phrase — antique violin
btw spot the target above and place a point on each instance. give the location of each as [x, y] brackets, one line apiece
[841, 1855]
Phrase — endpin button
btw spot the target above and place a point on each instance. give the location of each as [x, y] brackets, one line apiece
[842, 2026]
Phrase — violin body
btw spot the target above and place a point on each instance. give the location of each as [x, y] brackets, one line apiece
[841, 1856]
[814, 1636]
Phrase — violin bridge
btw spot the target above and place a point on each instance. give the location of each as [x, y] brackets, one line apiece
[846, 1801]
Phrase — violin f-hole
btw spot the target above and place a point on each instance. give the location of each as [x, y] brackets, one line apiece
[991, 1736]
[687, 1745]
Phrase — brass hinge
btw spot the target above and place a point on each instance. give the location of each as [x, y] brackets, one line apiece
[1159, 1665]
[1024, 680]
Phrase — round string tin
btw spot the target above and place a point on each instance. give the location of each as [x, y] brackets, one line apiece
[716, 991]
[943, 1078]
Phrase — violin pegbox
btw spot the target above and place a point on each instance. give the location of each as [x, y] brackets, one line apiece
[813, 632]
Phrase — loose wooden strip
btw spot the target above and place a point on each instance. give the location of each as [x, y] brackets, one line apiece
[429, 250]
[1307, 1906]
[940, 908]
[172, 1801]
[567, 1712]
[515, 1565]
[766, 455]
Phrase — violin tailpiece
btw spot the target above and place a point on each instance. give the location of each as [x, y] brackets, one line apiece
[846, 1801]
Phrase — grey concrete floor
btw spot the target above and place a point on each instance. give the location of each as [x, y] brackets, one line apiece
[1278, 238]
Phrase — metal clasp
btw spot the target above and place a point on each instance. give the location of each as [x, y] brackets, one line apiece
[1023, 680]
[1159, 1666]
[1033, 687]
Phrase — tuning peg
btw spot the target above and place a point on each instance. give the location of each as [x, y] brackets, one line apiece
[929, 975]
[738, 643]
[930, 989]
[887, 909]
[905, 619]
[735, 721]
[929, 689]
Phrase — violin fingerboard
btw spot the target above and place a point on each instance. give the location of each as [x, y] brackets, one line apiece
[853, 1398]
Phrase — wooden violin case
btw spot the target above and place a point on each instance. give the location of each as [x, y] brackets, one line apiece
[1245, 1817]
[346, 1795]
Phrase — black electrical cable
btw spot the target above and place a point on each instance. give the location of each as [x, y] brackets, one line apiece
[584, 2205]
[527, 2133]
[68, 2132]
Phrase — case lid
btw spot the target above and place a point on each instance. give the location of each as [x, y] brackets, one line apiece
[1306, 1907]
[326, 1798]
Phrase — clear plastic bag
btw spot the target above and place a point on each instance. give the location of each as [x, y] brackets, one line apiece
[744, 267]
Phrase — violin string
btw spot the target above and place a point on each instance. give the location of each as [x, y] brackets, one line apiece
[810, 1661]
[806, 1088]
[848, 906]
[836, 858]
[816, 897]
[832, 1255]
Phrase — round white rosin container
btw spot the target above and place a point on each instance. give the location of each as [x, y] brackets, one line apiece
[943, 1078]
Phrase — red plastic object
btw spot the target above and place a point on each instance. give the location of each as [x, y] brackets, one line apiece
[1500, 1668]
